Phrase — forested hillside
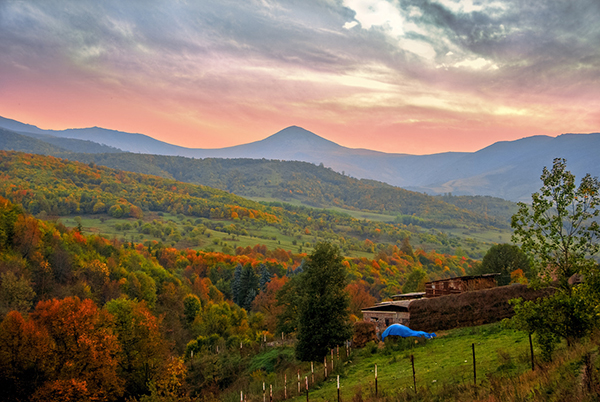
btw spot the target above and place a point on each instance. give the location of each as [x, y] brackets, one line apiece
[47, 144]
[142, 306]
[56, 187]
[312, 185]
[498, 208]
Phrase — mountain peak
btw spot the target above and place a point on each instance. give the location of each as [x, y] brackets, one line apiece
[299, 137]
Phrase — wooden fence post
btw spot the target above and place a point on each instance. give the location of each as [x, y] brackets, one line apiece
[412, 361]
[531, 350]
[325, 366]
[375, 380]
[285, 386]
[306, 380]
[332, 361]
[312, 372]
[474, 368]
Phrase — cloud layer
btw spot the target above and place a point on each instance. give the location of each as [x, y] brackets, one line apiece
[400, 76]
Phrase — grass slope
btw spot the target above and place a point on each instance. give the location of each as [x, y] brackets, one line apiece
[443, 371]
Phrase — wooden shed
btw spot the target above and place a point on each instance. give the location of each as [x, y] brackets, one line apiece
[461, 284]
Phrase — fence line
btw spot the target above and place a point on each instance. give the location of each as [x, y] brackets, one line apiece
[411, 376]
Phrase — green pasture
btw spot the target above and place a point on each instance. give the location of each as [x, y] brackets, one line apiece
[439, 362]
[211, 240]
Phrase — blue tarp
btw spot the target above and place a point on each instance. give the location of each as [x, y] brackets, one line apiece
[405, 332]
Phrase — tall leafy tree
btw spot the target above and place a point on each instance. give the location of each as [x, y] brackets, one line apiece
[24, 362]
[560, 232]
[191, 307]
[415, 282]
[144, 352]
[82, 358]
[323, 320]
[287, 304]
[406, 248]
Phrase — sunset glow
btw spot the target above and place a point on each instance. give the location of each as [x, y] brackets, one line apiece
[411, 76]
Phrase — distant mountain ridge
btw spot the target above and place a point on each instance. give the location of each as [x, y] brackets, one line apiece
[507, 169]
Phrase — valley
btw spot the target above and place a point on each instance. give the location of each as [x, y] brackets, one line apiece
[174, 245]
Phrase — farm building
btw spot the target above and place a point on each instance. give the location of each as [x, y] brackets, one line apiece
[463, 304]
[387, 313]
[451, 311]
[408, 296]
[461, 284]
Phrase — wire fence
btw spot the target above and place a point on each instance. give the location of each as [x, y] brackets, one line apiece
[403, 371]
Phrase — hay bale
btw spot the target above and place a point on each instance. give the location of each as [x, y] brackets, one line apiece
[364, 332]
[469, 308]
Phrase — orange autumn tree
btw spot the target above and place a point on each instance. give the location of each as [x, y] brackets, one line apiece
[81, 360]
[266, 302]
[359, 298]
[23, 357]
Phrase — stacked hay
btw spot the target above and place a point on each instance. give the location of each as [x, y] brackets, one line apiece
[364, 332]
[469, 308]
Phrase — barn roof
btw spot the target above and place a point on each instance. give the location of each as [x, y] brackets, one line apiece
[466, 277]
[408, 296]
[401, 305]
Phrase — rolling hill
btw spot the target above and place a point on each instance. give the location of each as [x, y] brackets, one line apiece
[290, 181]
[508, 169]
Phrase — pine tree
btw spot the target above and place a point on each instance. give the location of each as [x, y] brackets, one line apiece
[300, 267]
[236, 284]
[265, 277]
[323, 320]
[248, 288]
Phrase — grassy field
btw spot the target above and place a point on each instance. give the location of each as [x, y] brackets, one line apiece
[443, 371]
[445, 360]
[483, 235]
[214, 240]
[465, 241]
[442, 362]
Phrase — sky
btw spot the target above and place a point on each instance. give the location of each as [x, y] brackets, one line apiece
[402, 76]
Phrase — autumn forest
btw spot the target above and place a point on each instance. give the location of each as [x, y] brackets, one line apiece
[115, 311]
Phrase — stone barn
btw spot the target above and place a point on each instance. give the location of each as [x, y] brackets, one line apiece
[398, 311]
[387, 313]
